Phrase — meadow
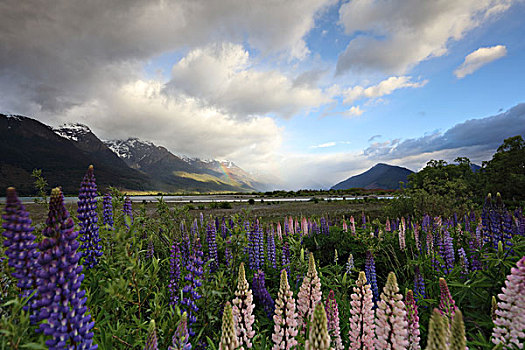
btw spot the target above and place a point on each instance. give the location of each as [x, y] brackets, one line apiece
[116, 275]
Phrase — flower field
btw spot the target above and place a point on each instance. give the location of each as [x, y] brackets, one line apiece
[112, 277]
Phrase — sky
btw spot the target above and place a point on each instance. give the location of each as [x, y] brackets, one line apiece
[300, 93]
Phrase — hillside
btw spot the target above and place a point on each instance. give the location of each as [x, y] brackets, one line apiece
[380, 176]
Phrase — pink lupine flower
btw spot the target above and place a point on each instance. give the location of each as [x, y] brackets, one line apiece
[279, 231]
[285, 317]
[345, 226]
[362, 325]
[243, 310]
[509, 327]
[352, 225]
[309, 293]
[387, 225]
[391, 320]
[413, 322]
[447, 305]
[304, 226]
[332, 316]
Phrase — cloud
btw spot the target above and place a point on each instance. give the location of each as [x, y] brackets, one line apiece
[222, 75]
[55, 57]
[477, 59]
[354, 111]
[325, 145]
[393, 36]
[385, 87]
[374, 137]
[481, 135]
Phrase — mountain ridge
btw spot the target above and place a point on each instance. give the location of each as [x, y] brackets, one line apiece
[380, 176]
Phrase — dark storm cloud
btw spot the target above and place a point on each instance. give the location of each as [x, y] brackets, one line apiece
[481, 134]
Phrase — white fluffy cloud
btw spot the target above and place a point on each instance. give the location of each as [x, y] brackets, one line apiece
[393, 36]
[477, 59]
[385, 87]
[222, 75]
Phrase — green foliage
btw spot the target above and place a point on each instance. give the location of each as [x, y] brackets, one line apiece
[40, 186]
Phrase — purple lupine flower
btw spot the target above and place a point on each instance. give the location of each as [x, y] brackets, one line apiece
[127, 209]
[419, 285]
[463, 261]
[350, 264]
[271, 248]
[88, 220]
[224, 229]
[286, 228]
[324, 227]
[107, 217]
[20, 243]
[193, 282]
[181, 336]
[151, 342]
[212, 247]
[370, 272]
[363, 218]
[448, 252]
[175, 263]
[228, 253]
[262, 294]
[286, 257]
[60, 300]
[150, 252]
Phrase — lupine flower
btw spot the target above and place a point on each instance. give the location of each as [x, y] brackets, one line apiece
[304, 226]
[243, 310]
[286, 257]
[352, 225]
[285, 317]
[447, 305]
[419, 284]
[324, 227]
[413, 322]
[175, 263]
[127, 208]
[437, 332]
[457, 336]
[309, 293]
[279, 232]
[509, 326]
[370, 271]
[262, 294]
[229, 339]
[107, 214]
[151, 342]
[401, 234]
[332, 316]
[345, 226]
[181, 336]
[391, 319]
[387, 225]
[416, 237]
[362, 326]
[193, 279]
[463, 261]
[271, 248]
[228, 253]
[60, 274]
[87, 220]
[336, 257]
[318, 339]
[448, 252]
[211, 237]
[20, 243]
[350, 264]
[151, 249]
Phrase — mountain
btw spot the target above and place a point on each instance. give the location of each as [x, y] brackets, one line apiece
[63, 154]
[182, 173]
[380, 176]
